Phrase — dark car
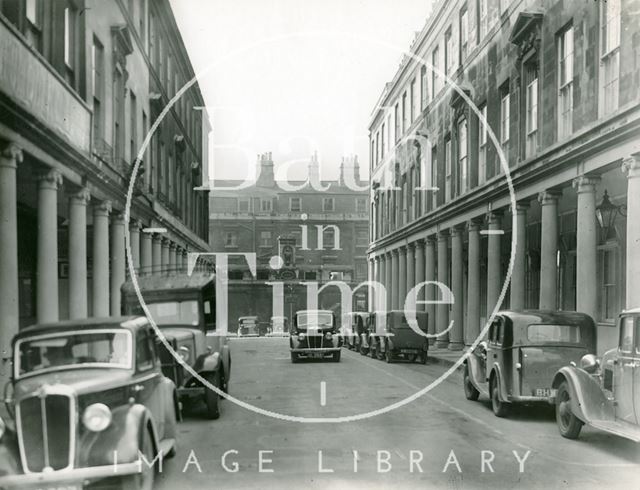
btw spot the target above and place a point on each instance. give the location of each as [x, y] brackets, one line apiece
[184, 309]
[603, 393]
[315, 335]
[523, 352]
[86, 397]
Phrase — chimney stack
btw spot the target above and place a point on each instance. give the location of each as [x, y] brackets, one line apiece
[314, 168]
[266, 177]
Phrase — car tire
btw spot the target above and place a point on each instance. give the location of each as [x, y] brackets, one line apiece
[388, 354]
[336, 356]
[568, 424]
[146, 479]
[423, 358]
[470, 391]
[373, 349]
[363, 350]
[294, 358]
[500, 408]
[211, 398]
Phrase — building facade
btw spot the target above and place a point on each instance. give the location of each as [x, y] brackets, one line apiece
[81, 84]
[557, 84]
[320, 235]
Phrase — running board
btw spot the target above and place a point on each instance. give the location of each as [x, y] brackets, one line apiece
[619, 428]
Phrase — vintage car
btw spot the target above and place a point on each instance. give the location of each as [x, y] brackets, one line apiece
[523, 352]
[391, 337]
[372, 321]
[184, 309]
[279, 327]
[86, 397]
[248, 326]
[314, 335]
[353, 325]
[605, 393]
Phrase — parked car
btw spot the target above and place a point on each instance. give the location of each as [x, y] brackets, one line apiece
[523, 351]
[394, 339]
[82, 393]
[603, 393]
[184, 309]
[315, 336]
[374, 322]
[353, 326]
[248, 326]
[279, 327]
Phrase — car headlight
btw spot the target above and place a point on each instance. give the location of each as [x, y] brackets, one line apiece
[183, 352]
[328, 336]
[3, 428]
[301, 337]
[589, 363]
[96, 417]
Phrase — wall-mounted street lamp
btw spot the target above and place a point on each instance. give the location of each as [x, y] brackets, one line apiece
[606, 213]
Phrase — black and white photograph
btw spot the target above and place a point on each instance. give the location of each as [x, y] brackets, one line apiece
[321, 244]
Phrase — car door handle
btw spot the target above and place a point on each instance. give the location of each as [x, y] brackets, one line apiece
[137, 388]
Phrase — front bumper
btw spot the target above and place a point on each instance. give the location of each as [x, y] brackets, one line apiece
[75, 475]
[324, 350]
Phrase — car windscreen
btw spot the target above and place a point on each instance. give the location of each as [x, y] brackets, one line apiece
[315, 318]
[554, 333]
[173, 312]
[106, 348]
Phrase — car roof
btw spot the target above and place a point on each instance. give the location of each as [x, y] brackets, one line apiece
[132, 323]
[159, 282]
[546, 316]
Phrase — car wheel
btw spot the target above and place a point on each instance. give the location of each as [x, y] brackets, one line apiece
[145, 479]
[294, 357]
[568, 424]
[423, 358]
[336, 356]
[363, 350]
[470, 391]
[411, 357]
[211, 398]
[388, 354]
[373, 350]
[500, 408]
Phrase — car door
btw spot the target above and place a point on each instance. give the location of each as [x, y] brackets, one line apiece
[624, 370]
[147, 386]
[493, 345]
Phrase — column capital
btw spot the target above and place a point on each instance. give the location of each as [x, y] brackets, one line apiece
[50, 179]
[135, 225]
[443, 235]
[395, 251]
[494, 217]
[474, 225]
[172, 245]
[411, 246]
[117, 217]
[430, 241]
[166, 241]
[157, 237]
[102, 208]
[457, 230]
[81, 196]
[549, 196]
[585, 183]
[520, 207]
[11, 155]
[631, 165]
[418, 244]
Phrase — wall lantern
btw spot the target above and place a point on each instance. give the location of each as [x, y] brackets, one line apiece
[606, 213]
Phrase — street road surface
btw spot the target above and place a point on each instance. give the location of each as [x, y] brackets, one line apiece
[437, 441]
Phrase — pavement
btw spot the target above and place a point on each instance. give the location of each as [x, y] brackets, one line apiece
[363, 423]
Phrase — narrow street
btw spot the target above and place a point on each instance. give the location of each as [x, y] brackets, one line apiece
[439, 427]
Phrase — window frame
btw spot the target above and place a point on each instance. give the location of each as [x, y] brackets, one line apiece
[564, 67]
[325, 200]
[291, 207]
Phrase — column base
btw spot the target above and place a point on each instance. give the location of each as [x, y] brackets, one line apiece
[442, 344]
[456, 346]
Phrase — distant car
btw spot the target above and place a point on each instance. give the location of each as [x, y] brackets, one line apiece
[391, 337]
[279, 327]
[82, 393]
[353, 325]
[603, 393]
[524, 350]
[315, 336]
[184, 309]
[248, 326]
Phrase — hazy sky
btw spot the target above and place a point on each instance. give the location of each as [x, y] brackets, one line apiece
[294, 76]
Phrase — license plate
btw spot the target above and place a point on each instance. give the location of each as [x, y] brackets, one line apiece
[316, 355]
[408, 351]
[546, 392]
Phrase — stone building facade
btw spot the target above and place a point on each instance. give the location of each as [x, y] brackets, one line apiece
[557, 84]
[327, 231]
[82, 82]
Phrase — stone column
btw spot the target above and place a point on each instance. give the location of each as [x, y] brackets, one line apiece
[117, 261]
[586, 246]
[457, 286]
[402, 277]
[156, 254]
[389, 279]
[411, 271]
[373, 276]
[47, 282]
[518, 278]
[78, 307]
[172, 258]
[430, 291]
[631, 167]
[395, 279]
[10, 157]
[165, 255]
[185, 255]
[494, 273]
[381, 304]
[101, 258]
[134, 245]
[442, 315]
[549, 250]
[473, 326]
[146, 255]
[419, 272]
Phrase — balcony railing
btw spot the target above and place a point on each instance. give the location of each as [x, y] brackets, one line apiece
[28, 80]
